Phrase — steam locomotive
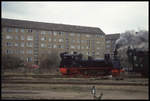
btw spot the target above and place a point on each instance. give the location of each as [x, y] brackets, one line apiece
[74, 64]
[139, 60]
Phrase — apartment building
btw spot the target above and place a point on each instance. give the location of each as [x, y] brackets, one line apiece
[110, 42]
[29, 39]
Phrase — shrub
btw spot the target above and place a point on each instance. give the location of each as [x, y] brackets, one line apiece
[49, 61]
[10, 62]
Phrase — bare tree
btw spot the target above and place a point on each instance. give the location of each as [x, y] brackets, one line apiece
[49, 61]
[10, 62]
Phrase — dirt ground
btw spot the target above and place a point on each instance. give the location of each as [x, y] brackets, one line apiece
[57, 91]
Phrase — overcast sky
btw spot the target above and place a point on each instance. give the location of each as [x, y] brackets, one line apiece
[111, 17]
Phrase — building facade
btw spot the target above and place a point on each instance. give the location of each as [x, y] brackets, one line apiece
[29, 40]
[110, 40]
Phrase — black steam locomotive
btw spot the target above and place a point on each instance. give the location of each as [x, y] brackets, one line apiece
[139, 60]
[74, 64]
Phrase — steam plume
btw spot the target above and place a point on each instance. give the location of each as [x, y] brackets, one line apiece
[139, 40]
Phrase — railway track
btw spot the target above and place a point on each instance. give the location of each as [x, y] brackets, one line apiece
[34, 76]
[79, 83]
[74, 82]
[59, 79]
[58, 76]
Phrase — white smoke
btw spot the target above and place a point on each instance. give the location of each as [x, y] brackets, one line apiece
[134, 39]
[138, 40]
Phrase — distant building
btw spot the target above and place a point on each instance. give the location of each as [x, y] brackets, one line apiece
[29, 39]
[110, 42]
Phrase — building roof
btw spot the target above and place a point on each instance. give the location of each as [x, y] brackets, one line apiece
[112, 36]
[50, 26]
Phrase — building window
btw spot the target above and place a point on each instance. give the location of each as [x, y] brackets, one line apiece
[78, 47]
[16, 44]
[82, 47]
[88, 41]
[72, 52]
[43, 32]
[17, 30]
[108, 51]
[93, 53]
[78, 41]
[29, 44]
[73, 41]
[50, 32]
[108, 41]
[55, 33]
[9, 37]
[61, 40]
[60, 46]
[67, 46]
[8, 51]
[107, 46]
[29, 30]
[87, 35]
[83, 41]
[72, 34]
[98, 42]
[22, 37]
[21, 51]
[43, 38]
[17, 37]
[29, 37]
[97, 53]
[72, 46]
[98, 48]
[87, 53]
[61, 33]
[50, 39]
[22, 44]
[9, 29]
[98, 36]
[17, 51]
[22, 30]
[49, 46]
[29, 59]
[54, 40]
[78, 35]
[9, 44]
[43, 45]
[29, 51]
[54, 46]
